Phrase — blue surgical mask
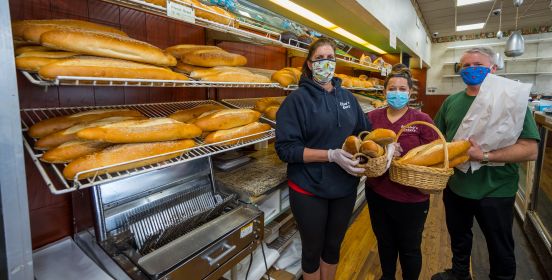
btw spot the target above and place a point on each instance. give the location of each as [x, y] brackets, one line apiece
[397, 99]
[474, 75]
[323, 70]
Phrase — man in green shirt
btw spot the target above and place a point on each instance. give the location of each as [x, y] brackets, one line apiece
[487, 194]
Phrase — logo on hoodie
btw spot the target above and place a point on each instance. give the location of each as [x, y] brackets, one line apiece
[345, 105]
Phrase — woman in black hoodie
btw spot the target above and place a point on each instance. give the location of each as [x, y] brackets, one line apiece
[312, 124]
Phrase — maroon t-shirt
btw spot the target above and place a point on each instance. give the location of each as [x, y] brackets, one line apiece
[412, 137]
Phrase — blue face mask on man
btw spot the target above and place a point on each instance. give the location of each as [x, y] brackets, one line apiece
[397, 99]
[474, 75]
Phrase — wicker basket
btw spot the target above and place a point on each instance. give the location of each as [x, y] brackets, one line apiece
[374, 167]
[426, 179]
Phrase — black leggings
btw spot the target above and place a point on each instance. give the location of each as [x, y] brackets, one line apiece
[322, 224]
[398, 228]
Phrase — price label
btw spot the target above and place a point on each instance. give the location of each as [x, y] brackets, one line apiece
[180, 11]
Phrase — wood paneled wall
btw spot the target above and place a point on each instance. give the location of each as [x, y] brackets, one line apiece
[50, 215]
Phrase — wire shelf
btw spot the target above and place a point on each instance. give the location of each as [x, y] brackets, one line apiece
[376, 88]
[53, 173]
[249, 103]
[94, 81]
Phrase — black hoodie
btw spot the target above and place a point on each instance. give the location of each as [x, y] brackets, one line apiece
[310, 117]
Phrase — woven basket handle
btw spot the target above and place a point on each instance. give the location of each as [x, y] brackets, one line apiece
[361, 135]
[445, 148]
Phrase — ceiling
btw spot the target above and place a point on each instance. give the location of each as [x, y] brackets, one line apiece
[439, 15]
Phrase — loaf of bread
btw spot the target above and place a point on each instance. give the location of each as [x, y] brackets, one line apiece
[211, 58]
[455, 161]
[213, 13]
[226, 119]
[205, 72]
[371, 149]
[25, 49]
[432, 153]
[51, 125]
[236, 77]
[119, 154]
[192, 113]
[262, 104]
[70, 134]
[33, 61]
[106, 45]
[140, 131]
[233, 133]
[162, 3]
[287, 76]
[187, 68]
[19, 27]
[71, 150]
[381, 136]
[180, 50]
[271, 111]
[88, 66]
[352, 145]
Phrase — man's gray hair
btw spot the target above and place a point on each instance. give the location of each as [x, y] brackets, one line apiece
[484, 51]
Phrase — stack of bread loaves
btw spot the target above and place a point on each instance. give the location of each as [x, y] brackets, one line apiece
[371, 145]
[227, 124]
[268, 106]
[361, 81]
[100, 138]
[66, 47]
[432, 154]
[287, 76]
[211, 63]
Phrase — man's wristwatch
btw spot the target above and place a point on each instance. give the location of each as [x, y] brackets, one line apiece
[485, 159]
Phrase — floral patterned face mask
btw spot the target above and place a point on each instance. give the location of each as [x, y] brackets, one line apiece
[323, 70]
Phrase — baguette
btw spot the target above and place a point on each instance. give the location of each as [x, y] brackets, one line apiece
[19, 27]
[352, 145]
[381, 136]
[33, 61]
[55, 124]
[189, 114]
[228, 134]
[455, 161]
[213, 13]
[271, 112]
[71, 150]
[162, 3]
[284, 78]
[434, 155]
[106, 45]
[205, 72]
[179, 50]
[236, 77]
[262, 104]
[211, 58]
[139, 131]
[371, 149]
[124, 153]
[70, 134]
[187, 68]
[226, 119]
[106, 68]
[25, 49]
[419, 149]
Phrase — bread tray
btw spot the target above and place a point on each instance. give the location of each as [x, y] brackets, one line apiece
[52, 173]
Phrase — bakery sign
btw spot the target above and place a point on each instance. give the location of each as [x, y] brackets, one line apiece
[180, 11]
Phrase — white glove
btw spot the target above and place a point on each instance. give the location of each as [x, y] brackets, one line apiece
[345, 161]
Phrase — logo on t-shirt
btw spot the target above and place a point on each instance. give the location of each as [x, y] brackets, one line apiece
[345, 105]
[410, 129]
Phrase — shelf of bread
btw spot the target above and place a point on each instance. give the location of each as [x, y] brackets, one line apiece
[267, 106]
[352, 62]
[34, 78]
[88, 146]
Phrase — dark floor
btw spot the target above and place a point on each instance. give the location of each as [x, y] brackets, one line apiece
[528, 267]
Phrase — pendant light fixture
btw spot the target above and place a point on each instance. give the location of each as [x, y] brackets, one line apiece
[499, 34]
[515, 46]
[499, 60]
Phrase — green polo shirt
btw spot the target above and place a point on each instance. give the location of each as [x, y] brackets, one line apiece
[488, 181]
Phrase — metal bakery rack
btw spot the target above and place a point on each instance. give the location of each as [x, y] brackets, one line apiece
[52, 173]
[95, 81]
